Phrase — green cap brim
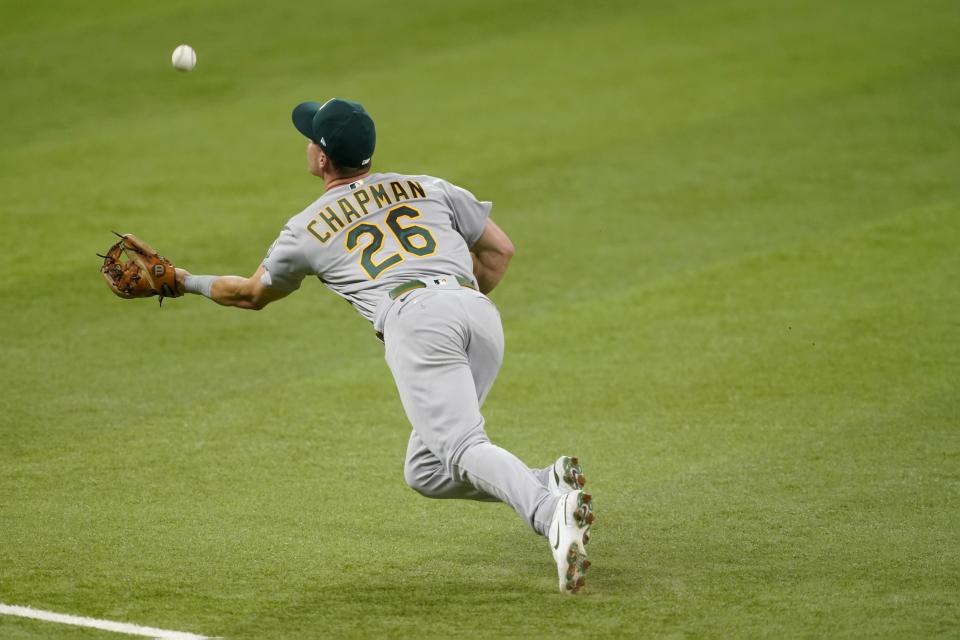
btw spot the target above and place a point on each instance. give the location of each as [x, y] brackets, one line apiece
[303, 115]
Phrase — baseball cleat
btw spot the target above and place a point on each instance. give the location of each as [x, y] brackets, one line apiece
[568, 535]
[566, 475]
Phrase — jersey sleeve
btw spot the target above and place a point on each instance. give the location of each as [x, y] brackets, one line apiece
[469, 214]
[285, 264]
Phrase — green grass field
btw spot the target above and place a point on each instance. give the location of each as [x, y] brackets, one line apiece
[735, 296]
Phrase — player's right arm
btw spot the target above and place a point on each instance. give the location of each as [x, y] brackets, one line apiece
[491, 256]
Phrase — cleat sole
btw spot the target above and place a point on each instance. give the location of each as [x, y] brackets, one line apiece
[573, 563]
[575, 577]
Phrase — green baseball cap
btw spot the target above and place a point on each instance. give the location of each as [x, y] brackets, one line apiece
[343, 129]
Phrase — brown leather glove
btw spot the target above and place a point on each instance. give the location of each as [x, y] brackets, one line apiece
[133, 269]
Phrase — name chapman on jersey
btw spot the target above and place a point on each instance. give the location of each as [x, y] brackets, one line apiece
[362, 201]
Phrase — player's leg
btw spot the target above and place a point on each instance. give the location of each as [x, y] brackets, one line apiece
[423, 471]
[441, 360]
[485, 355]
[568, 525]
[426, 348]
[426, 474]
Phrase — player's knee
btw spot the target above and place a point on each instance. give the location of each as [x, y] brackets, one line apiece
[416, 481]
[431, 482]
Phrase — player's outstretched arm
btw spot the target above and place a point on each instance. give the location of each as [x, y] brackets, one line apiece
[232, 291]
[491, 256]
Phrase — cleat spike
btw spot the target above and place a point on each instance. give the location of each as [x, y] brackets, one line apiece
[587, 498]
[591, 518]
[581, 481]
[585, 565]
[575, 461]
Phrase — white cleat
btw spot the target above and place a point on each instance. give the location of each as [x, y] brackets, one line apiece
[568, 536]
[566, 475]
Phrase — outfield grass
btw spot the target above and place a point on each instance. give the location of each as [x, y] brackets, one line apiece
[735, 297]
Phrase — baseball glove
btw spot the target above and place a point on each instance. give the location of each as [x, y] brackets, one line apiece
[133, 269]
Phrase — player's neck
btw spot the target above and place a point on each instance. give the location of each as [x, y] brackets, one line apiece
[333, 182]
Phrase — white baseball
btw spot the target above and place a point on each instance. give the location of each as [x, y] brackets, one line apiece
[184, 58]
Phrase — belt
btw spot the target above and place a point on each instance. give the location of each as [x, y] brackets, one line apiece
[399, 290]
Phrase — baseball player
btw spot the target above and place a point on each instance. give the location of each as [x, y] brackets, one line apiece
[415, 255]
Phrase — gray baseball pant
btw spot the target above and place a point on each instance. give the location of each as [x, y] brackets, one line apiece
[444, 346]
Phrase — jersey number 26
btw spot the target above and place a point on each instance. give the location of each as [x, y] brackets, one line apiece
[413, 239]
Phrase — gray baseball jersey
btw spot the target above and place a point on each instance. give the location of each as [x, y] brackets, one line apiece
[365, 238]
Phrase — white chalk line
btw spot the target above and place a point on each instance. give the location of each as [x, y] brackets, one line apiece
[105, 625]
